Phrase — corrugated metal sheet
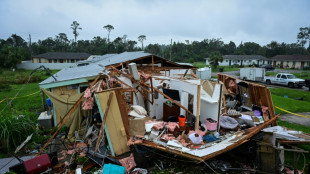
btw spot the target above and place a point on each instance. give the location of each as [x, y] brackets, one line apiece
[93, 69]
[95, 58]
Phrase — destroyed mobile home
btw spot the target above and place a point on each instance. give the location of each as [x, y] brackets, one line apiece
[138, 98]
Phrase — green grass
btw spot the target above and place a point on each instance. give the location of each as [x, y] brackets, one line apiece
[302, 75]
[200, 64]
[290, 103]
[14, 128]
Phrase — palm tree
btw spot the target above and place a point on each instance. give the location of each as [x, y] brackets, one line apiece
[141, 38]
[109, 28]
[215, 58]
[75, 27]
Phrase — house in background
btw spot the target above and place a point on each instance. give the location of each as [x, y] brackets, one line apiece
[60, 57]
[229, 60]
[291, 61]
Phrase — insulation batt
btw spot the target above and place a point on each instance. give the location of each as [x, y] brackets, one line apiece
[265, 113]
[138, 139]
[88, 104]
[183, 142]
[159, 126]
[172, 125]
[129, 163]
[89, 101]
[146, 77]
[168, 137]
[199, 132]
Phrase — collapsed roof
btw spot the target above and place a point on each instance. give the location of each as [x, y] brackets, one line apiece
[81, 74]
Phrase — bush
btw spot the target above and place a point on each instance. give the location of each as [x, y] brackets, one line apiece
[14, 130]
[35, 79]
[21, 79]
[4, 87]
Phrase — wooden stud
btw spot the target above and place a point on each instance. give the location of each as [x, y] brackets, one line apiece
[198, 107]
[152, 63]
[185, 74]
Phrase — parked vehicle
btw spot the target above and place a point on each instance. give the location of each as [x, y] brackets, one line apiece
[253, 74]
[289, 80]
[307, 82]
[267, 67]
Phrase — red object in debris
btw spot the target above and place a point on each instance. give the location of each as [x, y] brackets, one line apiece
[38, 164]
[182, 120]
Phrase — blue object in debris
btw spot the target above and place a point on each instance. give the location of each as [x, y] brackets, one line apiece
[209, 138]
[113, 169]
[285, 96]
[48, 102]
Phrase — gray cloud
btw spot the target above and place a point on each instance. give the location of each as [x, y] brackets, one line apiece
[237, 20]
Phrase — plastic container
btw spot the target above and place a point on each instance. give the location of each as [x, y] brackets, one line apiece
[182, 120]
[211, 126]
[113, 169]
[257, 113]
[48, 102]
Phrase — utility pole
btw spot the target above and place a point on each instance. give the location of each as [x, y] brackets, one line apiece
[30, 46]
[170, 48]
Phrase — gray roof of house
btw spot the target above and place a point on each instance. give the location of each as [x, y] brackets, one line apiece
[94, 58]
[292, 57]
[93, 69]
[63, 55]
[244, 57]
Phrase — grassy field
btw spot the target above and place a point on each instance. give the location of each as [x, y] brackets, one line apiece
[18, 118]
[302, 75]
[286, 99]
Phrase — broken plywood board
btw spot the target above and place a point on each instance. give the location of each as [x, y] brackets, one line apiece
[114, 127]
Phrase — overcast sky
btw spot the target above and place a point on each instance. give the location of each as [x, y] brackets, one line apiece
[260, 21]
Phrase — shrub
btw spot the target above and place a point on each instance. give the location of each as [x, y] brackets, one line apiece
[35, 78]
[4, 87]
[14, 130]
[20, 79]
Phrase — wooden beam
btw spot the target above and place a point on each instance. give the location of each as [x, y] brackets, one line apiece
[66, 117]
[193, 74]
[152, 63]
[122, 82]
[101, 132]
[198, 107]
[185, 73]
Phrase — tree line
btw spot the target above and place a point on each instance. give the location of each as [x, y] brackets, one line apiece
[15, 49]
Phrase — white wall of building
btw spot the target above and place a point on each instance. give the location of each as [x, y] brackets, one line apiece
[238, 62]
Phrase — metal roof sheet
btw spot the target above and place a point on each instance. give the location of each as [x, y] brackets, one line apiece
[93, 69]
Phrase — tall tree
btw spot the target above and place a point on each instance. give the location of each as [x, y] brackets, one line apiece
[109, 28]
[304, 36]
[141, 38]
[75, 27]
[215, 58]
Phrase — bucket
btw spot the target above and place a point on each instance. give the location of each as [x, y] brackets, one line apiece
[211, 125]
[182, 120]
